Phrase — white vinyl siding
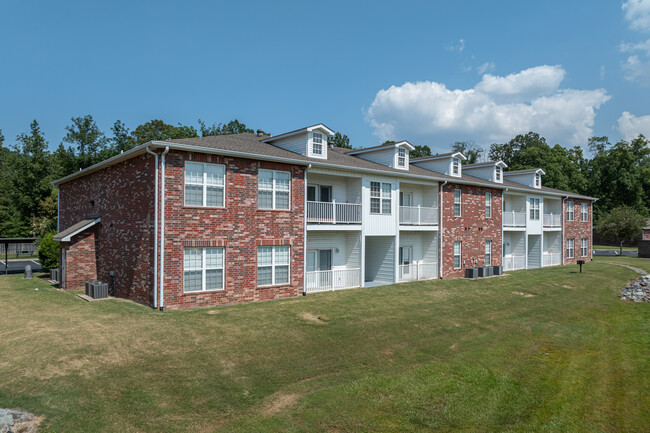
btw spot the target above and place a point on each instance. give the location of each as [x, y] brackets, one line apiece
[569, 248]
[583, 247]
[203, 269]
[534, 209]
[570, 216]
[488, 253]
[380, 198]
[204, 184]
[584, 212]
[457, 202]
[457, 254]
[273, 189]
[272, 265]
[488, 205]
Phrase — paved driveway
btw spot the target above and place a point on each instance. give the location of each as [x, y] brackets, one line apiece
[614, 253]
[18, 266]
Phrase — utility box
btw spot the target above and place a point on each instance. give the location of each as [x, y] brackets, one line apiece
[96, 289]
[471, 272]
[497, 270]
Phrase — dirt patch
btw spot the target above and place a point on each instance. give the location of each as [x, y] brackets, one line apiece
[566, 286]
[279, 402]
[452, 347]
[212, 312]
[313, 318]
[525, 295]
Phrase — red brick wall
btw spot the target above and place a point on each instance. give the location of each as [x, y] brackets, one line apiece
[577, 230]
[472, 228]
[81, 260]
[123, 196]
[239, 227]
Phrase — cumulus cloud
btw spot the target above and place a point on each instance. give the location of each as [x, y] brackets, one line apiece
[495, 110]
[635, 69]
[630, 126]
[637, 12]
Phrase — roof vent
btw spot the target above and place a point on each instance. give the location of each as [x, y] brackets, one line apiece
[260, 132]
[330, 143]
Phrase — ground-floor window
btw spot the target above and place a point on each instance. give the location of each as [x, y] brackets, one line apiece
[583, 247]
[272, 265]
[488, 253]
[569, 248]
[457, 254]
[203, 269]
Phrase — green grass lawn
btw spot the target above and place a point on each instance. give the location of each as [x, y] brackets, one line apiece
[613, 247]
[453, 355]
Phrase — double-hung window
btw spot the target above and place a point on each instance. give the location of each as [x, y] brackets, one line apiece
[534, 209]
[457, 254]
[273, 189]
[538, 180]
[317, 143]
[488, 253]
[569, 211]
[457, 199]
[583, 247]
[272, 265]
[498, 174]
[569, 248]
[455, 166]
[401, 157]
[488, 205]
[203, 269]
[380, 198]
[204, 184]
[584, 213]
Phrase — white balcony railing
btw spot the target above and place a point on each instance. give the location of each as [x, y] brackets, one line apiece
[511, 263]
[552, 220]
[514, 219]
[336, 279]
[333, 212]
[551, 259]
[418, 215]
[418, 271]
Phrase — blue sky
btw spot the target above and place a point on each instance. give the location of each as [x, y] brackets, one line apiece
[372, 70]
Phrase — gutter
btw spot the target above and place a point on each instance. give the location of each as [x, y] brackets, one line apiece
[155, 235]
[304, 246]
[162, 230]
[440, 207]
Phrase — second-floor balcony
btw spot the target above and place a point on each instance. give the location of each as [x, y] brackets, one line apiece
[418, 215]
[333, 212]
[552, 220]
[514, 219]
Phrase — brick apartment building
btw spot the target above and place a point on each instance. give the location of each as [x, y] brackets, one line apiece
[227, 219]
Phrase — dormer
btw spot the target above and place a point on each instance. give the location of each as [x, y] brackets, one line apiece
[394, 154]
[310, 141]
[491, 170]
[531, 177]
[450, 163]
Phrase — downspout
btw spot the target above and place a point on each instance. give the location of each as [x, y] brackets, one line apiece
[503, 201]
[563, 234]
[304, 244]
[162, 229]
[440, 207]
[591, 205]
[155, 234]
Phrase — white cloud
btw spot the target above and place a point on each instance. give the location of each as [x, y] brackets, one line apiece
[486, 67]
[637, 12]
[460, 46]
[602, 72]
[495, 110]
[630, 126]
[635, 69]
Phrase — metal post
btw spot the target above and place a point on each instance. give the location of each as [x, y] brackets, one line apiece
[334, 211]
[6, 258]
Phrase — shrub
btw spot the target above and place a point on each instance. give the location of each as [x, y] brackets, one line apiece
[48, 253]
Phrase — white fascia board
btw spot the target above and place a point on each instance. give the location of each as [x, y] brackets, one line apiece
[299, 131]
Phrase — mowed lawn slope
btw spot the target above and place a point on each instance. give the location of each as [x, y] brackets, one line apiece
[443, 356]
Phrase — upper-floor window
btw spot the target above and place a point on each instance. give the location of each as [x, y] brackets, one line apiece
[498, 174]
[488, 253]
[380, 198]
[317, 143]
[569, 211]
[204, 184]
[488, 205]
[534, 209]
[584, 213]
[455, 166]
[538, 180]
[401, 157]
[273, 189]
[203, 269]
[457, 199]
[272, 265]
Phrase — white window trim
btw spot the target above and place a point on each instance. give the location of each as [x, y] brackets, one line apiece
[459, 203]
[382, 198]
[272, 189]
[534, 204]
[455, 166]
[204, 269]
[273, 265]
[460, 254]
[538, 180]
[488, 252]
[570, 211]
[488, 205]
[401, 157]
[204, 184]
[319, 136]
[584, 212]
[571, 249]
[585, 247]
[498, 175]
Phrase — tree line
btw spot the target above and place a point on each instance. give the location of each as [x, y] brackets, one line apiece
[617, 174]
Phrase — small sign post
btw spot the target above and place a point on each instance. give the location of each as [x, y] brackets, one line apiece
[581, 262]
